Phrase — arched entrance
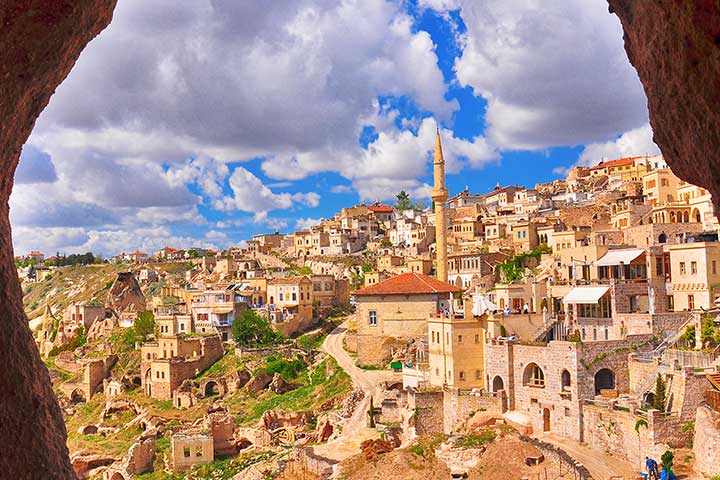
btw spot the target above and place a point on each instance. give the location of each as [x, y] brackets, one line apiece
[696, 216]
[77, 396]
[148, 383]
[662, 238]
[604, 380]
[211, 389]
[546, 419]
[498, 384]
[117, 476]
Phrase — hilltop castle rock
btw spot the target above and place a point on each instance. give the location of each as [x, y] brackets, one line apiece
[39, 43]
[675, 48]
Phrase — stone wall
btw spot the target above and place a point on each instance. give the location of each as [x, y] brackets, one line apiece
[459, 406]
[189, 450]
[614, 431]
[641, 375]
[706, 443]
[95, 372]
[428, 411]
[644, 236]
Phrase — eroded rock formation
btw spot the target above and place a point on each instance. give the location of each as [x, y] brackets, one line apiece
[125, 296]
[675, 48]
[40, 40]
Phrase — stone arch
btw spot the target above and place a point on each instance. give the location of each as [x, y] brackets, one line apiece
[212, 388]
[78, 396]
[686, 217]
[604, 380]
[662, 238]
[395, 386]
[696, 215]
[565, 380]
[533, 375]
[458, 281]
[673, 218]
[117, 476]
[498, 384]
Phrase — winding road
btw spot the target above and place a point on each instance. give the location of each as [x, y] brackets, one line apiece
[354, 429]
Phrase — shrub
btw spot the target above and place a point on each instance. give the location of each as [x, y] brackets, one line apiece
[667, 461]
[659, 400]
[251, 330]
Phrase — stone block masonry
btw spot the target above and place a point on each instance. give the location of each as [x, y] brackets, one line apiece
[706, 444]
[428, 410]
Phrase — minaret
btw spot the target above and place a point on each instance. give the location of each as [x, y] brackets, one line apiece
[439, 195]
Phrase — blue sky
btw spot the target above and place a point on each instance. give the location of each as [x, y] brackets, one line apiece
[207, 122]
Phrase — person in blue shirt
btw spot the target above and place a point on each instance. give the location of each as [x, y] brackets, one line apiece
[652, 468]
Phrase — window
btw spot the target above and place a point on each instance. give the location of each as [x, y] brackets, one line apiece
[294, 296]
[534, 376]
[477, 374]
[186, 452]
[607, 333]
[280, 297]
[594, 333]
[477, 338]
[682, 268]
[583, 333]
[462, 375]
[459, 338]
[714, 267]
[691, 302]
[693, 268]
[373, 318]
[199, 451]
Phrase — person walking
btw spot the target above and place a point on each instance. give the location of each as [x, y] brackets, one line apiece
[652, 468]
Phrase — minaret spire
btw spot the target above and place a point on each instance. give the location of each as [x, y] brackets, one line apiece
[439, 195]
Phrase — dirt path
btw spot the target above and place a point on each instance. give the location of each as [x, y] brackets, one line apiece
[601, 465]
[354, 429]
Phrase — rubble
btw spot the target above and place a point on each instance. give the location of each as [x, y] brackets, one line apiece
[258, 382]
[371, 449]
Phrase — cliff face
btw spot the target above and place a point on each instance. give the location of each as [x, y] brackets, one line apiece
[40, 40]
[675, 48]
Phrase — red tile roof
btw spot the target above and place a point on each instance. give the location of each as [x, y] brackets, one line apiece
[380, 208]
[408, 283]
[615, 163]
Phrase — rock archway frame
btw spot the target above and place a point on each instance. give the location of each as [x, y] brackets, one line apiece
[674, 46]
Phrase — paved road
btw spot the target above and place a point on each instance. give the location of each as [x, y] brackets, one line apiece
[354, 429]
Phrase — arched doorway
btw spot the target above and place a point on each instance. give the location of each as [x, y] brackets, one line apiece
[662, 238]
[148, 383]
[604, 380]
[546, 419]
[458, 282]
[497, 384]
[696, 216]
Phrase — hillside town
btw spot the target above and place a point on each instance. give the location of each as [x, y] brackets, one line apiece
[583, 315]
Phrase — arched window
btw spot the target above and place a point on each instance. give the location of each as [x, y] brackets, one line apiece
[565, 381]
[533, 376]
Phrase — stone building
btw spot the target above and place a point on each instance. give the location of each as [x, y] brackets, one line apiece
[396, 310]
[456, 350]
[290, 303]
[190, 449]
[175, 357]
[549, 383]
[695, 274]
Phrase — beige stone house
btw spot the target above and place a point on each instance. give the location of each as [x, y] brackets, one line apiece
[396, 310]
[694, 274]
[456, 350]
[290, 303]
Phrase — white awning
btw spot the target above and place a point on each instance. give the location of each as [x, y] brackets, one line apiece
[616, 257]
[481, 304]
[587, 295]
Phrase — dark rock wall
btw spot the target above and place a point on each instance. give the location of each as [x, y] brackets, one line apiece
[675, 48]
[40, 40]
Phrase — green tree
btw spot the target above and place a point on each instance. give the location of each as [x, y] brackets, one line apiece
[707, 331]
[144, 325]
[666, 462]
[660, 394]
[403, 201]
[251, 330]
[689, 335]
